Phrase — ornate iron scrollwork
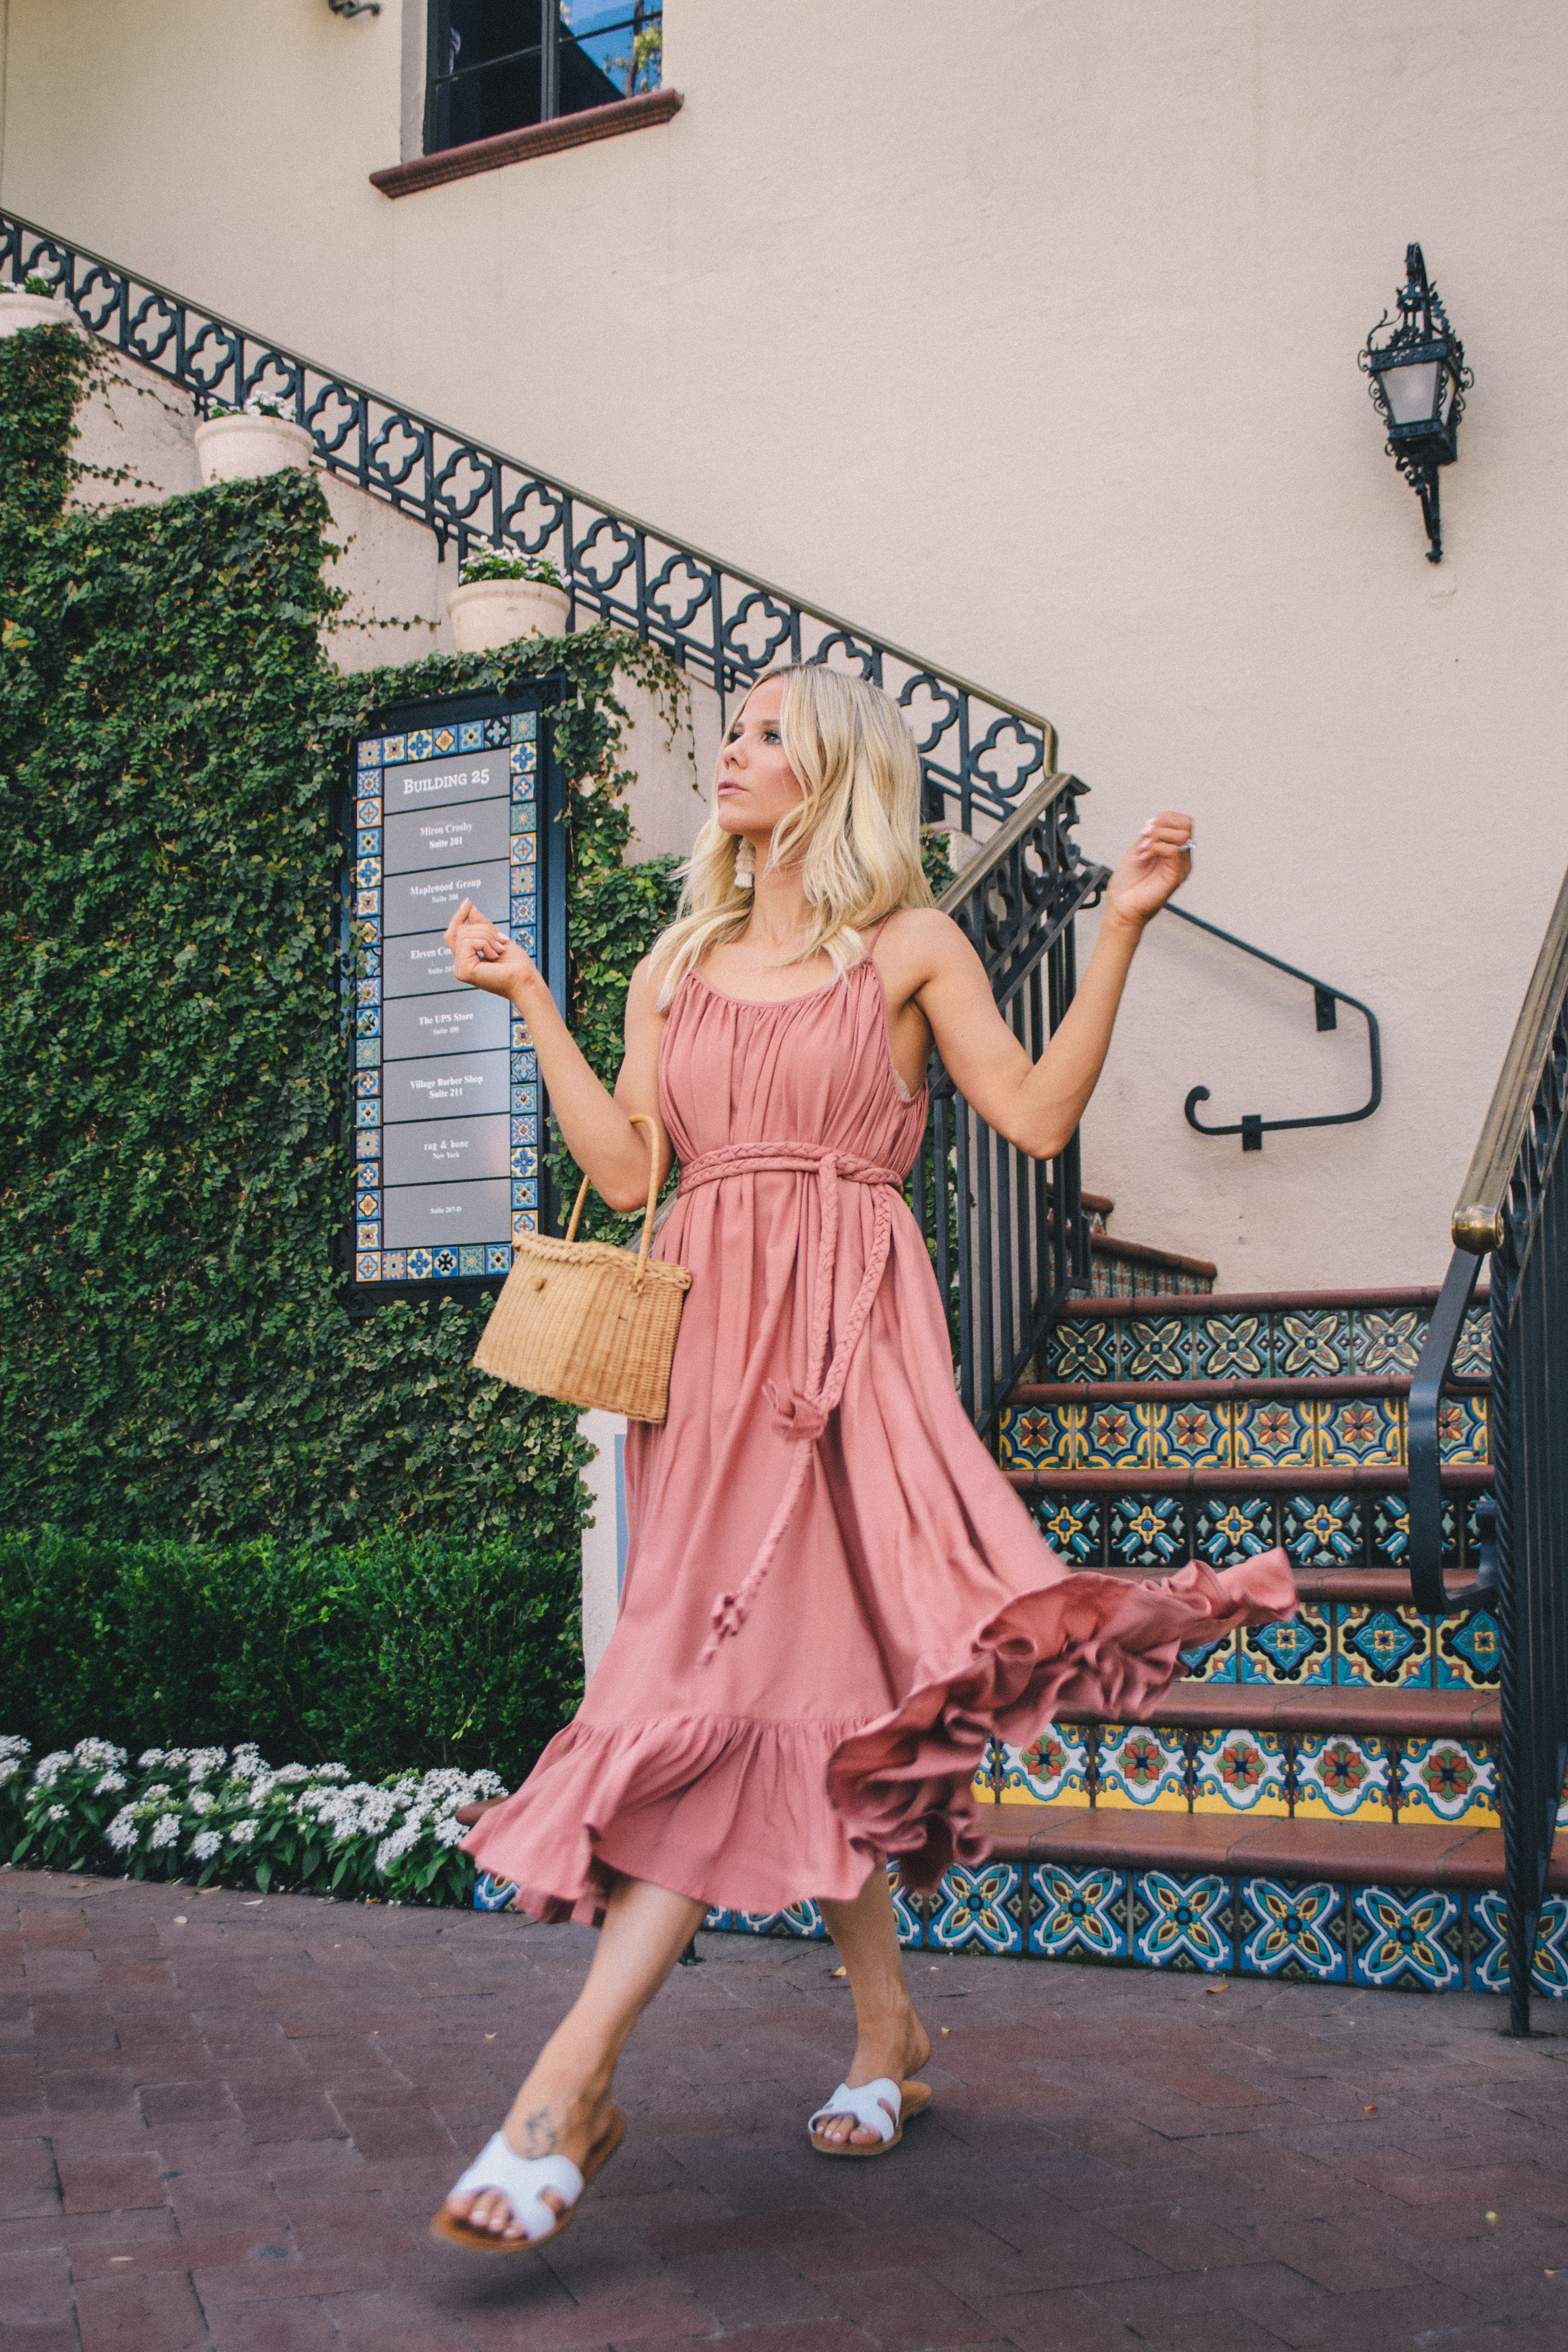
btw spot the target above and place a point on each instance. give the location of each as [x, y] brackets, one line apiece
[979, 754]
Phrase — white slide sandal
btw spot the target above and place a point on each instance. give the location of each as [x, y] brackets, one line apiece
[880, 2106]
[520, 2179]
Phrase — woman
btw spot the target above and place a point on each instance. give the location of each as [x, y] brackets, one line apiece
[832, 1596]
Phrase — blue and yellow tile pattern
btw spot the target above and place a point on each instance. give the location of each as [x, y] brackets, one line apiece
[1278, 1343]
[1317, 1931]
[1319, 1530]
[1306, 1432]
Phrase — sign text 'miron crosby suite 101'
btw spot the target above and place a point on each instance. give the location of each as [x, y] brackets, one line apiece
[446, 1105]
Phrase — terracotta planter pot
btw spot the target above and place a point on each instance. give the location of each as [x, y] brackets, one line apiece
[19, 311]
[491, 613]
[236, 448]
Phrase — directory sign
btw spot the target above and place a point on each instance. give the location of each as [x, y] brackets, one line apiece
[446, 1107]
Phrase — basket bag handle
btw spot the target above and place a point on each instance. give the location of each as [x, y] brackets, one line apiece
[636, 1118]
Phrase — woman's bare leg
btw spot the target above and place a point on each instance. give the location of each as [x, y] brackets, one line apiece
[890, 2038]
[558, 2110]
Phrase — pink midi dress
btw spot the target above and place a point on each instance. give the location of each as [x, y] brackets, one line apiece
[832, 1595]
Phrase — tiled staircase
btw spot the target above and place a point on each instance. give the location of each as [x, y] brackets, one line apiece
[1119, 1269]
[1315, 1801]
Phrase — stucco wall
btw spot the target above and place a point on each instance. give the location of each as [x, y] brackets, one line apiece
[134, 437]
[1027, 337]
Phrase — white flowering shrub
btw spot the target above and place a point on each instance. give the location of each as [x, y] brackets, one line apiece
[203, 1814]
[58, 1814]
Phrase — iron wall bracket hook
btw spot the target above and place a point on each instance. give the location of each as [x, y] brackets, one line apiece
[1424, 480]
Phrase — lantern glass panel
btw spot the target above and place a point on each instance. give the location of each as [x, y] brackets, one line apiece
[1412, 391]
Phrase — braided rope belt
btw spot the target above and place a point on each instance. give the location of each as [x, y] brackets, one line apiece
[802, 1417]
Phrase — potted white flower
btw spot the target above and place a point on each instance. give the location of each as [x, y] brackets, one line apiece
[34, 303]
[503, 596]
[235, 443]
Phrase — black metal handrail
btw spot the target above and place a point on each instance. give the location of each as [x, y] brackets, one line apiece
[1428, 1584]
[1007, 1234]
[1514, 1206]
[1252, 1127]
[979, 754]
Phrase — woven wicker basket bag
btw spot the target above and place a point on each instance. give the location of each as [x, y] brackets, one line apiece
[587, 1323]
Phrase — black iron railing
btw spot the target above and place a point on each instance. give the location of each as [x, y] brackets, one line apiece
[1253, 1127]
[978, 753]
[1007, 1234]
[1514, 1208]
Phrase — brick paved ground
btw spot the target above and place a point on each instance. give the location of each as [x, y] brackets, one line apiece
[227, 2123]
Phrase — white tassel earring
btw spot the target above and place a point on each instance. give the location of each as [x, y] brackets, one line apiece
[745, 867]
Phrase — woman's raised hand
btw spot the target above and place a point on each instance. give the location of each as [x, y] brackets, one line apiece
[482, 957]
[1158, 863]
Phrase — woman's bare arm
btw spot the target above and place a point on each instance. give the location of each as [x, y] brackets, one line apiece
[1036, 1104]
[611, 1151]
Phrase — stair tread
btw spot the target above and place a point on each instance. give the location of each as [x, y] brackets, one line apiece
[1420, 1854]
[1314, 1706]
[1388, 1586]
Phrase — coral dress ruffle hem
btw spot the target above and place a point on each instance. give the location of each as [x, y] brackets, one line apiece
[832, 1595]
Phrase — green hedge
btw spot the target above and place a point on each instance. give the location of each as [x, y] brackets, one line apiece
[390, 1653]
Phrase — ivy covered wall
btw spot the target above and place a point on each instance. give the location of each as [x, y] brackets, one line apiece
[177, 1360]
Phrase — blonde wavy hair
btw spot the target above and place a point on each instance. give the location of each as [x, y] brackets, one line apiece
[855, 834]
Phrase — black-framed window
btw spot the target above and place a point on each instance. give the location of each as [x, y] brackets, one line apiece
[502, 65]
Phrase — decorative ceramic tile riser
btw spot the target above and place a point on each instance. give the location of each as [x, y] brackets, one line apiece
[1138, 1766]
[1232, 1434]
[1051, 1768]
[1489, 1946]
[1450, 1780]
[1313, 1776]
[1114, 1276]
[1420, 1939]
[1319, 1531]
[1281, 1344]
[1344, 1778]
[1241, 1772]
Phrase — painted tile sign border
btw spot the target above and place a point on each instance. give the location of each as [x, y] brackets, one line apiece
[451, 801]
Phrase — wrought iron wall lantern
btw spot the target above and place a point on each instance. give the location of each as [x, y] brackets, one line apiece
[1419, 383]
